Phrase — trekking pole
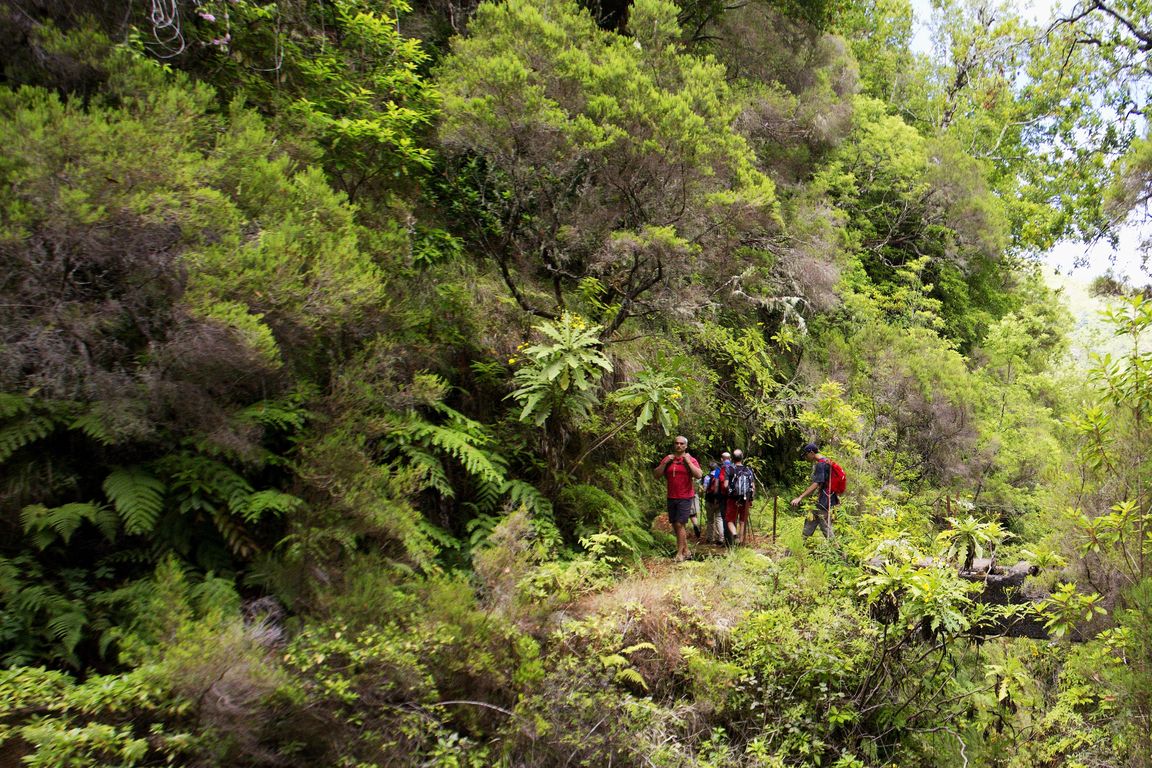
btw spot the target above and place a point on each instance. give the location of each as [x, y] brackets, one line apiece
[774, 500]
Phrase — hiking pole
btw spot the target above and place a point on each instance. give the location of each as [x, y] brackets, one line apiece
[748, 534]
[774, 500]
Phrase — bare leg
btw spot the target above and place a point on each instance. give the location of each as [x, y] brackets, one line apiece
[681, 540]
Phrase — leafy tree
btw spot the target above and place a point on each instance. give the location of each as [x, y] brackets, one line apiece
[587, 154]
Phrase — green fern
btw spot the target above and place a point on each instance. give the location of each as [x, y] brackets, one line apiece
[28, 430]
[44, 525]
[237, 539]
[486, 496]
[94, 426]
[286, 414]
[479, 530]
[525, 494]
[255, 505]
[431, 470]
[629, 675]
[68, 629]
[14, 405]
[214, 594]
[464, 447]
[438, 535]
[201, 483]
[138, 497]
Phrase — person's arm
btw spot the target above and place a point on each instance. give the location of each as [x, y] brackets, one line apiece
[807, 492]
[663, 465]
[694, 467]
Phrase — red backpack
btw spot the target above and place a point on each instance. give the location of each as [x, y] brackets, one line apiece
[837, 479]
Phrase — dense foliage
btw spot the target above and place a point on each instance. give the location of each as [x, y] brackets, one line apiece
[338, 341]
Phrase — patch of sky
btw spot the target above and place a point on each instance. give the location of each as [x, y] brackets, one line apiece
[1070, 267]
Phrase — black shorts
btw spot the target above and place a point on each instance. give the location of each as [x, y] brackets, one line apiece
[679, 510]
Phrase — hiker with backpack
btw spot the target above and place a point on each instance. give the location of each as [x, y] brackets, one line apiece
[714, 499]
[828, 481]
[739, 485]
[681, 471]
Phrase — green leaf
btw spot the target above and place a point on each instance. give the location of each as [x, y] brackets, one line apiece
[138, 497]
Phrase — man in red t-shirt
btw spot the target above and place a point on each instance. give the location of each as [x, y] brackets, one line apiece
[681, 471]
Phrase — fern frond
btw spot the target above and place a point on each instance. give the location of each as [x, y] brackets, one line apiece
[480, 529]
[46, 525]
[138, 497]
[629, 675]
[487, 495]
[33, 517]
[286, 415]
[237, 539]
[12, 404]
[107, 521]
[10, 571]
[433, 471]
[68, 629]
[64, 520]
[462, 446]
[462, 423]
[35, 598]
[92, 425]
[197, 480]
[215, 594]
[253, 506]
[528, 495]
[20, 434]
[438, 535]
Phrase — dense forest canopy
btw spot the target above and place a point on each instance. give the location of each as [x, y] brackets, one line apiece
[339, 340]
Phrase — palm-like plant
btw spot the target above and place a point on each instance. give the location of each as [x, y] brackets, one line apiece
[561, 375]
[970, 537]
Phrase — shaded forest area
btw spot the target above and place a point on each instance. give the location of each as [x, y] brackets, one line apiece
[338, 341]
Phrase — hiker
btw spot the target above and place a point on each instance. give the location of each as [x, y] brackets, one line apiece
[739, 486]
[681, 471]
[714, 499]
[821, 484]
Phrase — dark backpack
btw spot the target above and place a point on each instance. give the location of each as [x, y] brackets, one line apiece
[740, 484]
[837, 479]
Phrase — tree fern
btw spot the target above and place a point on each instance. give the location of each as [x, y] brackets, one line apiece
[421, 443]
[138, 497]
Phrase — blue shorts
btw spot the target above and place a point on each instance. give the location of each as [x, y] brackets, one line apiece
[679, 510]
